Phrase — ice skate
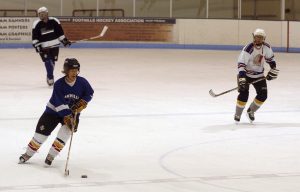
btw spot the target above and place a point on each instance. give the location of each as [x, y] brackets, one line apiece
[49, 159]
[50, 82]
[250, 115]
[23, 158]
[237, 119]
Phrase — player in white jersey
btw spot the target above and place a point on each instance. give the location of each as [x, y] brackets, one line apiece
[251, 68]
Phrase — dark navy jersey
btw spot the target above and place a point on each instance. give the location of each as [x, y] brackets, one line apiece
[48, 34]
[65, 96]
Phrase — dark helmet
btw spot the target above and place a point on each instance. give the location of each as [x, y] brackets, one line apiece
[71, 63]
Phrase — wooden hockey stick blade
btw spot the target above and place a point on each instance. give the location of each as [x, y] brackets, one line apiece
[103, 31]
[105, 28]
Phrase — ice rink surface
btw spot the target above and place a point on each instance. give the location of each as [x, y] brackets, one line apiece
[152, 126]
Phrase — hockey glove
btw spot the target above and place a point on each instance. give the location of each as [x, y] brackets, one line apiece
[242, 84]
[38, 48]
[79, 106]
[66, 42]
[272, 74]
[69, 121]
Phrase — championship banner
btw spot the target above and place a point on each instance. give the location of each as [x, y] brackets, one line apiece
[120, 29]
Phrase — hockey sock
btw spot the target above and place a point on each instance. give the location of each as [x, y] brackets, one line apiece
[240, 105]
[35, 143]
[255, 105]
[49, 64]
[63, 136]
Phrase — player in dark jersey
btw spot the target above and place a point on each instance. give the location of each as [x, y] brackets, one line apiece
[70, 96]
[47, 34]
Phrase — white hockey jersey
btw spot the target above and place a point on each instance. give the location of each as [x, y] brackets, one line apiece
[251, 60]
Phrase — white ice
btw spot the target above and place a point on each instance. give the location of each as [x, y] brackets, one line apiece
[152, 126]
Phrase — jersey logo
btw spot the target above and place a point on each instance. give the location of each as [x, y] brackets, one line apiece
[71, 99]
[258, 60]
[42, 127]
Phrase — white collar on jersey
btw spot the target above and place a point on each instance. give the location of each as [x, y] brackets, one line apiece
[72, 83]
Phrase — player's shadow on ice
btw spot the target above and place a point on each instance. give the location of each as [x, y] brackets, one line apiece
[244, 125]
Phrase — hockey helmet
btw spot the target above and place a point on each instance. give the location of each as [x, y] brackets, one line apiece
[71, 63]
[260, 32]
[42, 9]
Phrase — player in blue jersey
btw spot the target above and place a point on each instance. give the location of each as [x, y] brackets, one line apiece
[70, 96]
[251, 68]
[47, 34]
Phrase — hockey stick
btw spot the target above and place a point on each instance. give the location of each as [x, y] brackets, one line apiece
[105, 28]
[67, 171]
[217, 95]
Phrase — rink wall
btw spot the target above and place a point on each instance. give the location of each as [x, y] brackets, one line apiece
[181, 34]
[232, 32]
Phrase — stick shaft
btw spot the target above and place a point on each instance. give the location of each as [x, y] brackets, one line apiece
[233, 89]
[69, 150]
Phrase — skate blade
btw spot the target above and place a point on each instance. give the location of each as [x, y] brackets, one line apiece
[251, 121]
[67, 173]
[21, 161]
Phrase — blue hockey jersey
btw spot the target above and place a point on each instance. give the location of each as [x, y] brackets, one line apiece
[65, 96]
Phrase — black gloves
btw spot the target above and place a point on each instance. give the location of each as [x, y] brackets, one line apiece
[66, 42]
[272, 74]
[38, 48]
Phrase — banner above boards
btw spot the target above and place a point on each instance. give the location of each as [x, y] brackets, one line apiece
[119, 29]
[19, 29]
[117, 20]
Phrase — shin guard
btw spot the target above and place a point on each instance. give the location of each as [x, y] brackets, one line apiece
[62, 137]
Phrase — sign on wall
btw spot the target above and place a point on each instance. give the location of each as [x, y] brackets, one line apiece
[18, 29]
[120, 29]
[15, 29]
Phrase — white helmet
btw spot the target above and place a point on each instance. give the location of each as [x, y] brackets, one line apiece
[259, 32]
[42, 9]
